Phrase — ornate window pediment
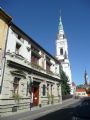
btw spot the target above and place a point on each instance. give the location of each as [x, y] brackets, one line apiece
[19, 73]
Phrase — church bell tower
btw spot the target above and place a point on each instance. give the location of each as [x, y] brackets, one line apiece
[62, 52]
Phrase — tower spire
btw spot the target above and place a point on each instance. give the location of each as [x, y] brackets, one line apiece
[85, 77]
[62, 51]
[60, 28]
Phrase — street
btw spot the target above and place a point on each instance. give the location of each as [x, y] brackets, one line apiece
[63, 114]
[55, 112]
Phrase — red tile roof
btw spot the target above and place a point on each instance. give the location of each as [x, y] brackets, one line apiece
[80, 90]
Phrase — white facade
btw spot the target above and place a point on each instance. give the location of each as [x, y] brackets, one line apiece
[62, 52]
[30, 73]
[81, 94]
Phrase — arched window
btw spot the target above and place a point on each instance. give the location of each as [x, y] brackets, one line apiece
[61, 51]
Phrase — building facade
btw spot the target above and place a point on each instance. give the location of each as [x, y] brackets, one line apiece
[73, 88]
[62, 52]
[29, 75]
[81, 92]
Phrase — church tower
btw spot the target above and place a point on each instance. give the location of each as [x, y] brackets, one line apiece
[86, 78]
[62, 52]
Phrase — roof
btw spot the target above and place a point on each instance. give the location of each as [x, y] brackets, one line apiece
[80, 90]
[5, 16]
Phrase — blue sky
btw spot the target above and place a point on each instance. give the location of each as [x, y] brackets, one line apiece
[40, 19]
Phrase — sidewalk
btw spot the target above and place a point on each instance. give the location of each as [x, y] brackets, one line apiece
[38, 112]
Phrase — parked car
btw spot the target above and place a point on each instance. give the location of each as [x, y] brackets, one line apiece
[82, 111]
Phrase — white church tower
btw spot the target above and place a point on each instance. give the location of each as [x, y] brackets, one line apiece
[62, 52]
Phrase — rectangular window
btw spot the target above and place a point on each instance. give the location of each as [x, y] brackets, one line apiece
[34, 60]
[16, 85]
[44, 90]
[19, 37]
[58, 90]
[47, 67]
[17, 48]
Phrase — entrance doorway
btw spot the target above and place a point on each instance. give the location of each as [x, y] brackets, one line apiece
[35, 93]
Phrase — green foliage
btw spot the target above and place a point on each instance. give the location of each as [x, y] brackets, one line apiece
[64, 83]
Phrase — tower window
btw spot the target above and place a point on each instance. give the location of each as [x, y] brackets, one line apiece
[61, 51]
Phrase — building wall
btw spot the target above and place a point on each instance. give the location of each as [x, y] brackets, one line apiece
[12, 40]
[7, 101]
[18, 64]
[81, 94]
[3, 35]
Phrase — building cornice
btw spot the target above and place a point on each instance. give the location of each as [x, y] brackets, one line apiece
[30, 70]
[5, 16]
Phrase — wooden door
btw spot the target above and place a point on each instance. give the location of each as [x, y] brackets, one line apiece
[35, 95]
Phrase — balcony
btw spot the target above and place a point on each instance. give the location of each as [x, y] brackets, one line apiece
[34, 65]
[35, 53]
[22, 61]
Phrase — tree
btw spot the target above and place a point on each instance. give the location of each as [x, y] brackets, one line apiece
[65, 87]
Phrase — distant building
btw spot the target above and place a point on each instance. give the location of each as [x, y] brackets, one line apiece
[73, 88]
[62, 52]
[28, 73]
[81, 92]
[83, 89]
